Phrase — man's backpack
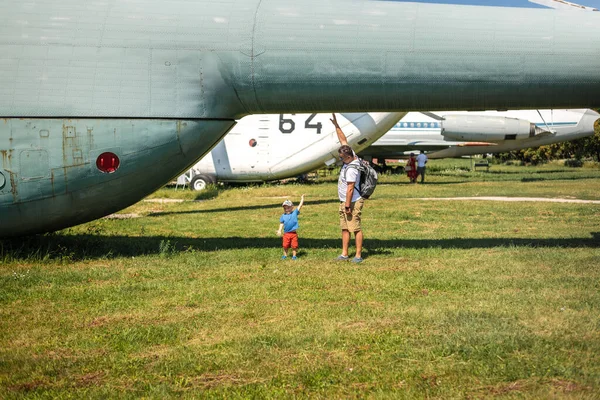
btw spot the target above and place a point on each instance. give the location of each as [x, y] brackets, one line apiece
[368, 178]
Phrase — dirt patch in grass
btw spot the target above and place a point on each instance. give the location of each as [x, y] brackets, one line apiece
[161, 200]
[100, 321]
[554, 385]
[29, 386]
[105, 320]
[123, 216]
[89, 379]
[60, 354]
[568, 386]
[209, 381]
[140, 318]
[354, 325]
[504, 388]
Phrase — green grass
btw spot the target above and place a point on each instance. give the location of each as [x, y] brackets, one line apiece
[455, 299]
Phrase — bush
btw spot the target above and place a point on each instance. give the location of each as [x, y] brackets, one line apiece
[573, 162]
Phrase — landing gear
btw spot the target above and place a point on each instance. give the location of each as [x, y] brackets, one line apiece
[199, 182]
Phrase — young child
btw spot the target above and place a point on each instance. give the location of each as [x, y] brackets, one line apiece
[288, 225]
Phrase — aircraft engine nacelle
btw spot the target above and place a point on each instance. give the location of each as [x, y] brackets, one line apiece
[486, 128]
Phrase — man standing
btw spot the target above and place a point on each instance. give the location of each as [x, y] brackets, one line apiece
[421, 161]
[351, 203]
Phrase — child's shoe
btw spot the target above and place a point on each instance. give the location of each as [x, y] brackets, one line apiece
[342, 258]
[357, 260]
[284, 257]
[294, 258]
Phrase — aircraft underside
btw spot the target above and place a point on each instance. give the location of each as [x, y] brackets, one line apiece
[62, 172]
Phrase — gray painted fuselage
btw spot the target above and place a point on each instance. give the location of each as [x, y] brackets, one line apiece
[159, 82]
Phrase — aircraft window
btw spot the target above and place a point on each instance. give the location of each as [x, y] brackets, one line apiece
[2, 180]
[252, 143]
[418, 124]
[108, 162]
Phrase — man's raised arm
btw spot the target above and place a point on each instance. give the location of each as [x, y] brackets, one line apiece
[340, 134]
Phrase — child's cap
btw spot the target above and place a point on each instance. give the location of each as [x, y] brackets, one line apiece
[287, 203]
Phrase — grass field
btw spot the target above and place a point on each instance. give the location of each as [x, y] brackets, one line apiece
[455, 299]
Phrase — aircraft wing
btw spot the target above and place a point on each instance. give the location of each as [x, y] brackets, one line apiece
[457, 133]
[567, 5]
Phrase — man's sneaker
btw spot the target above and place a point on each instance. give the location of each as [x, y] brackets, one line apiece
[342, 258]
[357, 260]
[294, 258]
[284, 257]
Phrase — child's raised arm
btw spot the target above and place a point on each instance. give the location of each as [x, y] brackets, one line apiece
[301, 202]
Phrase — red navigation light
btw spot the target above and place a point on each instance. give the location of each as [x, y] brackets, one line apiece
[107, 162]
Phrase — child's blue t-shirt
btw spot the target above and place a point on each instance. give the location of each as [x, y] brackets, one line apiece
[290, 221]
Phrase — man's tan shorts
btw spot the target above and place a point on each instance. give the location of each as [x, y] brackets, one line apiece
[351, 222]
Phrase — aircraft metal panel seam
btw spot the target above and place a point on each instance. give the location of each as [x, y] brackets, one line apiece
[253, 55]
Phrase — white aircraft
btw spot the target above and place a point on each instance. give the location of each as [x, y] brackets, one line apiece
[459, 133]
[277, 146]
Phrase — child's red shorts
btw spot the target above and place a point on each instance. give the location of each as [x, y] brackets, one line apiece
[290, 238]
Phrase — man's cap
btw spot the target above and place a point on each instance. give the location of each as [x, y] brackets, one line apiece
[287, 203]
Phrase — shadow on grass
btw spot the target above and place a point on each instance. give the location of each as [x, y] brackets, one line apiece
[240, 208]
[428, 183]
[82, 247]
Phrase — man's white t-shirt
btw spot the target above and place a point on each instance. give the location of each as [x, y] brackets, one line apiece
[349, 174]
[421, 160]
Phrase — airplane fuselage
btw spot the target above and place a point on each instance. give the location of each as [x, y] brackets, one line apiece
[278, 146]
[85, 86]
[418, 131]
